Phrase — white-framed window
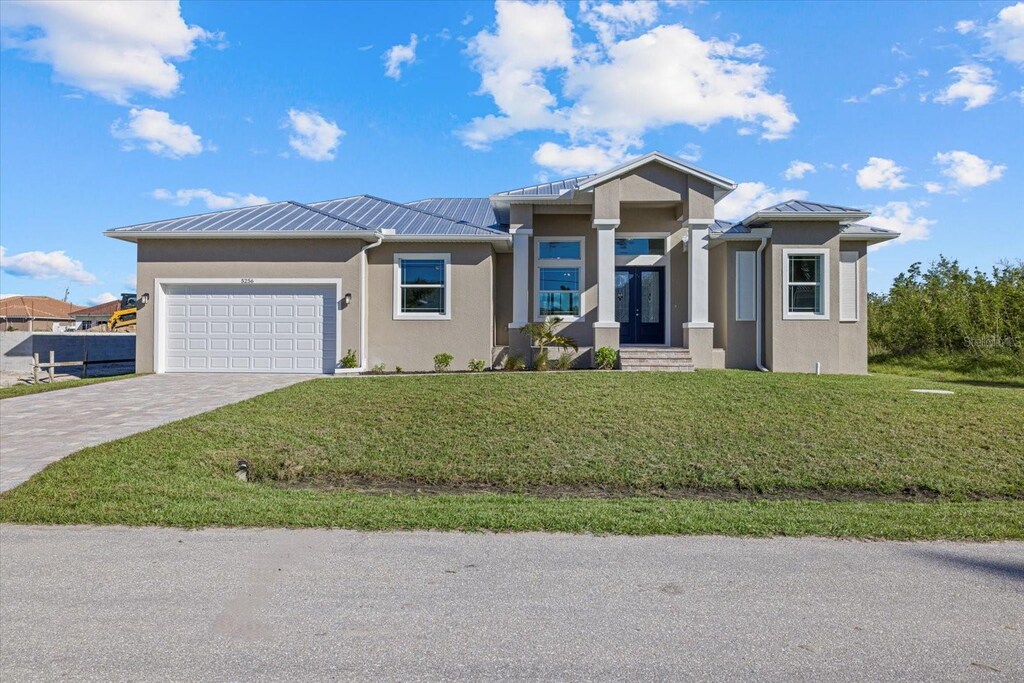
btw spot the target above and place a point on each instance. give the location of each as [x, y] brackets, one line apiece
[423, 287]
[805, 284]
[558, 277]
[746, 287]
[849, 286]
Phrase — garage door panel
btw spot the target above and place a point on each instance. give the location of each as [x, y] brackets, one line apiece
[257, 328]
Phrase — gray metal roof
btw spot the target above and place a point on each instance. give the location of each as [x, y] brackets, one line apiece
[723, 227]
[800, 206]
[287, 216]
[378, 214]
[553, 188]
[474, 210]
[867, 230]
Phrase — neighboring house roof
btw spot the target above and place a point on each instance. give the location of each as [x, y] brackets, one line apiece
[36, 307]
[474, 210]
[104, 310]
[266, 220]
[798, 209]
[858, 229]
[383, 214]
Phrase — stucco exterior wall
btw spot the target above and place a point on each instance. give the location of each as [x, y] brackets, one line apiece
[739, 341]
[569, 225]
[412, 344]
[502, 297]
[247, 258]
[797, 345]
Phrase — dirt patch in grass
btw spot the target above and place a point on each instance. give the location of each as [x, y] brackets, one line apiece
[373, 486]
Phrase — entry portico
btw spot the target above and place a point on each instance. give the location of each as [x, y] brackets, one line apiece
[649, 287]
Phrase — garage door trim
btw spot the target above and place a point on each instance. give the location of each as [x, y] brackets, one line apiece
[160, 312]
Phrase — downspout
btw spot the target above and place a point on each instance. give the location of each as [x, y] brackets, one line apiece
[759, 308]
[363, 305]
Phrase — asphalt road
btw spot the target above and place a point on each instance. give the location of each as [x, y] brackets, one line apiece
[154, 604]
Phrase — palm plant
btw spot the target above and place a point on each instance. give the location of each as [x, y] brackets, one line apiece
[545, 334]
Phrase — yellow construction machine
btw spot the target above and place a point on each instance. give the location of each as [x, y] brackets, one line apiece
[125, 314]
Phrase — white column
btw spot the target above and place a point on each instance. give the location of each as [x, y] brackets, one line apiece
[520, 277]
[697, 260]
[605, 228]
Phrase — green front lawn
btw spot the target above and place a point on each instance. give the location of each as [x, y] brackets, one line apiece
[993, 368]
[28, 389]
[708, 452]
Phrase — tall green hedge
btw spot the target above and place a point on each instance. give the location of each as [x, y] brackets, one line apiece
[949, 309]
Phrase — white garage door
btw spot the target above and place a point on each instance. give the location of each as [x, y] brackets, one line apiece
[250, 328]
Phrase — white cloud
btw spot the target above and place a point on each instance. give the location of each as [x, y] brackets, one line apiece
[103, 298]
[965, 26]
[45, 265]
[527, 41]
[686, 79]
[968, 170]
[798, 169]
[1018, 94]
[398, 55]
[974, 85]
[155, 131]
[690, 152]
[881, 174]
[900, 216]
[610, 20]
[313, 136]
[897, 83]
[1005, 34]
[750, 197]
[933, 188]
[576, 160]
[112, 49]
[217, 202]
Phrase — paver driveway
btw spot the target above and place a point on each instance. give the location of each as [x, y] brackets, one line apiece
[43, 428]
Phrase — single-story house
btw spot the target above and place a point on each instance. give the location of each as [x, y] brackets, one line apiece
[632, 258]
[95, 316]
[36, 314]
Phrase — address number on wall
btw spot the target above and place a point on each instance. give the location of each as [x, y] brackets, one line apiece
[248, 281]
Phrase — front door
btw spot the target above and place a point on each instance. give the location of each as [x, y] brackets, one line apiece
[640, 304]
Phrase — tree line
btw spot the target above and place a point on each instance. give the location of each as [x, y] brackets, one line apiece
[947, 308]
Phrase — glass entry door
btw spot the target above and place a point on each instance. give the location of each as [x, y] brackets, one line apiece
[640, 304]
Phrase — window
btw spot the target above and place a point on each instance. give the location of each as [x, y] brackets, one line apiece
[422, 287]
[559, 277]
[849, 285]
[805, 284]
[639, 246]
[746, 286]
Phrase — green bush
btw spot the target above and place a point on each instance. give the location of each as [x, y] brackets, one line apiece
[442, 362]
[541, 361]
[513, 363]
[378, 369]
[398, 370]
[566, 361]
[946, 309]
[350, 360]
[477, 365]
[605, 358]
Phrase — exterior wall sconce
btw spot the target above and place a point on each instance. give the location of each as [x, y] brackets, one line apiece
[142, 300]
[347, 299]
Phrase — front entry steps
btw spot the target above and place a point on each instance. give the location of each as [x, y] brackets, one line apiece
[655, 358]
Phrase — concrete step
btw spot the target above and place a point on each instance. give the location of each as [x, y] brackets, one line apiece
[655, 359]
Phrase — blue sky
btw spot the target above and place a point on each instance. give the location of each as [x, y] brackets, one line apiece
[112, 115]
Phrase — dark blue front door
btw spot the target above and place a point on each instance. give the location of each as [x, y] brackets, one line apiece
[640, 304]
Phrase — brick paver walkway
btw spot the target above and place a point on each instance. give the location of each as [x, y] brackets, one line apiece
[43, 428]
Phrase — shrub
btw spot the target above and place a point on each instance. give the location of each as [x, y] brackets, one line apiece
[442, 362]
[542, 361]
[477, 365]
[398, 370]
[566, 361]
[513, 363]
[378, 369]
[605, 358]
[350, 360]
[545, 334]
